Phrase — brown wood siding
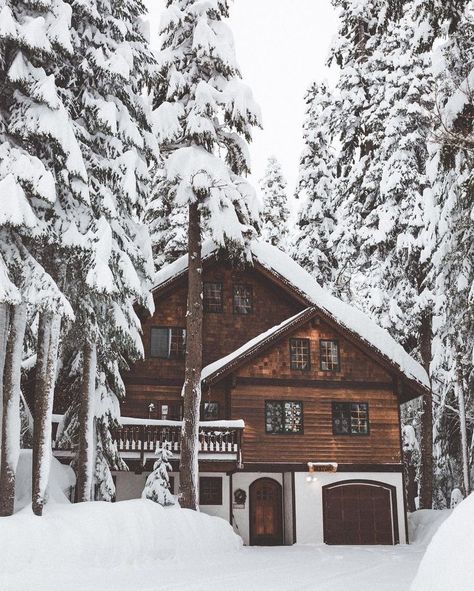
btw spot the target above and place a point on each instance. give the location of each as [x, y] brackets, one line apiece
[222, 332]
[353, 363]
[318, 443]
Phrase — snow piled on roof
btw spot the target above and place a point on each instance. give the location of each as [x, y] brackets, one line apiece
[347, 316]
[216, 366]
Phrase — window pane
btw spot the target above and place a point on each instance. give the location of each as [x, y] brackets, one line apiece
[359, 419]
[212, 293]
[274, 417]
[283, 417]
[177, 342]
[210, 411]
[293, 417]
[341, 418]
[243, 299]
[329, 355]
[210, 490]
[159, 346]
[299, 352]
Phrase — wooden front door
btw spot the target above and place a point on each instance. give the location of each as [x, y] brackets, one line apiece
[359, 513]
[266, 520]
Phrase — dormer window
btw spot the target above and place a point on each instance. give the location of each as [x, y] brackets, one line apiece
[168, 342]
[212, 296]
[243, 299]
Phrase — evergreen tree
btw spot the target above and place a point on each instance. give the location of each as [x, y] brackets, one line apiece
[203, 120]
[110, 69]
[38, 142]
[313, 247]
[275, 215]
[157, 486]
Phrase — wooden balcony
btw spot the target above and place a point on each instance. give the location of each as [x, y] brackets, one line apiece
[138, 439]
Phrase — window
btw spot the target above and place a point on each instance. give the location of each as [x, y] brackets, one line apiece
[210, 490]
[329, 355]
[171, 481]
[243, 299]
[350, 418]
[210, 411]
[168, 343]
[212, 297]
[299, 354]
[283, 416]
[171, 411]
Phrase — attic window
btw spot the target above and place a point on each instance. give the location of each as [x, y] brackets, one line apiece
[300, 354]
[212, 297]
[329, 355]
[243, 299]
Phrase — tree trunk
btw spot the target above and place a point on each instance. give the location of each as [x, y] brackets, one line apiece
[11, 410]
[4, 326]
[47, 359]
[462, 427]
[188, 468]
[85, 460]
[426, 472]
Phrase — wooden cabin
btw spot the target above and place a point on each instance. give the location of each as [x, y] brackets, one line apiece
[300, 437]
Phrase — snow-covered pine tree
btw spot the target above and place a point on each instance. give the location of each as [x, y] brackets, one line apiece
[166, 220]
[275, 214]
[453, 189]
[203, 120]
[111, 67]
[37, 140]
[313, 247]
[157, 486]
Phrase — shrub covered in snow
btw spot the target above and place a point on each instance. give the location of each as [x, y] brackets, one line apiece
[157, 487]
[448, 562]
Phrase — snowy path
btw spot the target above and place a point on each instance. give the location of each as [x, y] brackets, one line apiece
[315, 568]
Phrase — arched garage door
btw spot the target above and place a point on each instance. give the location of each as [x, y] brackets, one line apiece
[360, 512]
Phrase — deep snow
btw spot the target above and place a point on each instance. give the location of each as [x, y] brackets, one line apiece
[141, 546]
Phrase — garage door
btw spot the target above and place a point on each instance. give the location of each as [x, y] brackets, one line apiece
[360, 512]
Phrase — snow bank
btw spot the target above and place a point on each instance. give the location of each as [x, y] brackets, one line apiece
[423, 525]
[61, 478]
[110, 534]
[448, 562]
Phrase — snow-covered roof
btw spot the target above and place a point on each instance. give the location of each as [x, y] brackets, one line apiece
[287, 270]
[247, 349]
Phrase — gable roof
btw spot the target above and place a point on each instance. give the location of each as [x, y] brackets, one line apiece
[288, 273]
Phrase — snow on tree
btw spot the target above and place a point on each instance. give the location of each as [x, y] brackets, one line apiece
[157, 486]
[113, 268]
[203, 119]
[275, 214]
[44, 173]
[313, 247]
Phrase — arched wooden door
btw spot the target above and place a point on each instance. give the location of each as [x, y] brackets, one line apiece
[360, 512]
[266, 519]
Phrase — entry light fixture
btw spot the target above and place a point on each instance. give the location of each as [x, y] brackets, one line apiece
[315, 467]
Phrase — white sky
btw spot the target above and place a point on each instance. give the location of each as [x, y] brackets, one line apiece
[282, 46]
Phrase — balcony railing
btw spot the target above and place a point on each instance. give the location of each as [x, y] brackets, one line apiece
[139, 438]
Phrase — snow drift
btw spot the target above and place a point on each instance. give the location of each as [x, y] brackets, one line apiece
[447, 563]
[109, 534]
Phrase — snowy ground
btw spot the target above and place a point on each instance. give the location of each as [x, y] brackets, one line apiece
[319, 568]
[193, 552]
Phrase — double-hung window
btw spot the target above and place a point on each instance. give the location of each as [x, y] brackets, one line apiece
[243, 299]
[329, 355]
[300, 354]
[283, 417]
[168, 342]
[350, 418]
[212, 296]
